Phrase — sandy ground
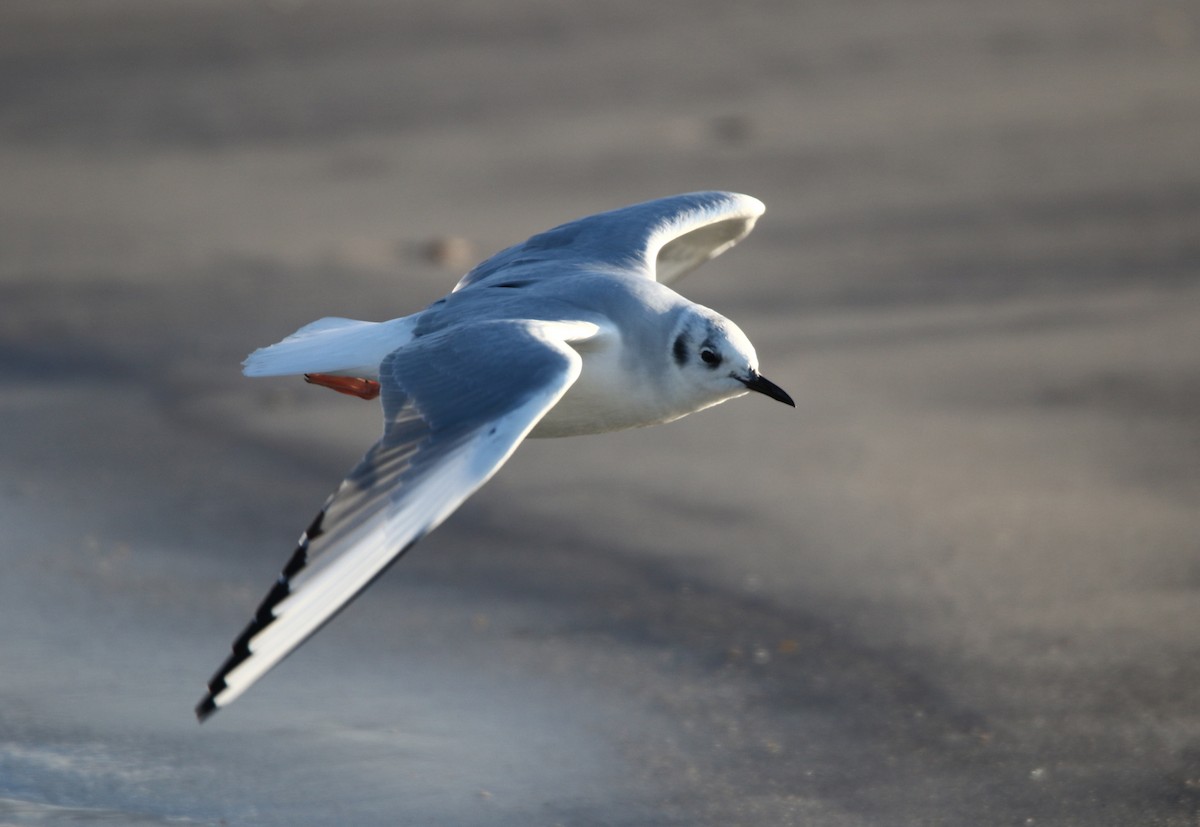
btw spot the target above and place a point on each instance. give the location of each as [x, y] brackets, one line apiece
[959, 586]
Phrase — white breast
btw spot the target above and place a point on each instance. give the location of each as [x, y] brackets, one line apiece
[613, 392]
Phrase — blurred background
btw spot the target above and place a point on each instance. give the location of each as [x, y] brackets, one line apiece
[959, 585]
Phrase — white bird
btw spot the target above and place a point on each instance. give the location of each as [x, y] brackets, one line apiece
[575, 331]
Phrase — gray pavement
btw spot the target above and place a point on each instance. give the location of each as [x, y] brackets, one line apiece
[960, 585]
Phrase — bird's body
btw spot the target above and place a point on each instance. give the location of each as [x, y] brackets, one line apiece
[568, 333]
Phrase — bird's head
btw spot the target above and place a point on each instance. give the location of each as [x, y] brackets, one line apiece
[714, 361]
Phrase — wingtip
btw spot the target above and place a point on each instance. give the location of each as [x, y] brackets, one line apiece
[751, 205]
[206, 708]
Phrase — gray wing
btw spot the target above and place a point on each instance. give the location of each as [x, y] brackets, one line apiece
[456, 405]
[662, 239]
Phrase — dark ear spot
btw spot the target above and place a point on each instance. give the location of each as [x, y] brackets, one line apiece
[680, 349]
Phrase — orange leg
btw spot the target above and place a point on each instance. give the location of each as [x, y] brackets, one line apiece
[362, 388]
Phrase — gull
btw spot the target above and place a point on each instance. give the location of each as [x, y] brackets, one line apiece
[574, 331]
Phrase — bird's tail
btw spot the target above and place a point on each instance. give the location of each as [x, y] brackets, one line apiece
[331, 345]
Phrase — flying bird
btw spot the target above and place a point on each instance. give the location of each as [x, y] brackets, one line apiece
[574, 331]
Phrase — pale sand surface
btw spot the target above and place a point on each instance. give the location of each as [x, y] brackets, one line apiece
[960, 585]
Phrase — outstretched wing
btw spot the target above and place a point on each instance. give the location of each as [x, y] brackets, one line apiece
[456, 405]
[663, 239]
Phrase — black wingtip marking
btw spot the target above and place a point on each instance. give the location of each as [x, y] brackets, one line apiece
[314, 530]
[241, 644]
[263, 617]
[205, 709]
[298, 561]
[299, 557]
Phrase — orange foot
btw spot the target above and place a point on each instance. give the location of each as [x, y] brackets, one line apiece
[362, 388]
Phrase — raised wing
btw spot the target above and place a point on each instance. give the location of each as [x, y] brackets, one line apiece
[456, 405]
[664, 239]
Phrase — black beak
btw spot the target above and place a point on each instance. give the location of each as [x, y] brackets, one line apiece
[763, 385]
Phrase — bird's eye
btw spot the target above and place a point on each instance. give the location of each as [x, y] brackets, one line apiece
[710, 357]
